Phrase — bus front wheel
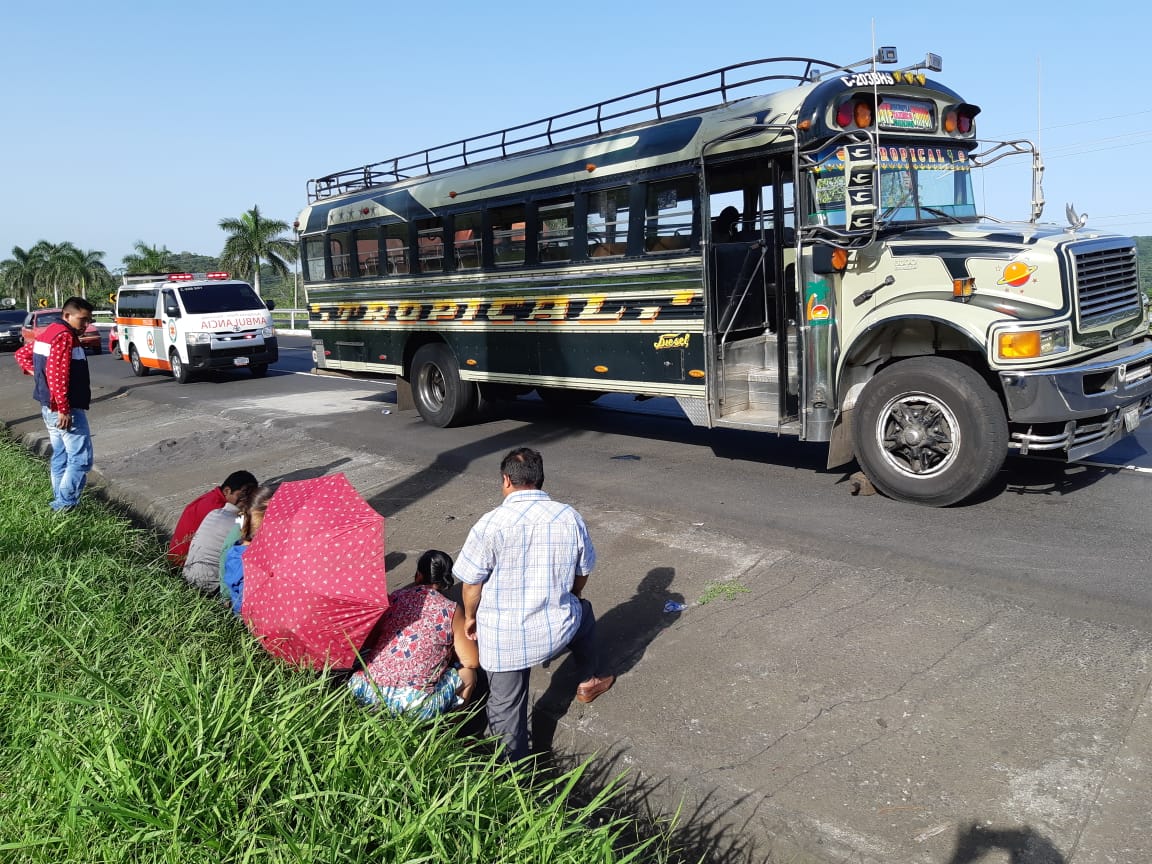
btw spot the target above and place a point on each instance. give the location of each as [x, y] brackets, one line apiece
[440, 396]
[929, 430]
[138, 368]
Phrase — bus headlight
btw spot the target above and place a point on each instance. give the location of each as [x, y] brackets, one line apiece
[268, 332]
[198, 338]
[1030, 344]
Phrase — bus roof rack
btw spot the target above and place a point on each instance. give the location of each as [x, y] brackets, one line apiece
[684, 94]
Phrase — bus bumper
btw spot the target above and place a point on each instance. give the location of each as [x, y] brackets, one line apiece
[203, 357]
[1080, 410]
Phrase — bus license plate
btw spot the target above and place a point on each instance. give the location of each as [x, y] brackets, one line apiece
[240, 361]
[1131, 418]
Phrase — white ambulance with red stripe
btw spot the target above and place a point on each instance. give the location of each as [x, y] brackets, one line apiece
[187, 322]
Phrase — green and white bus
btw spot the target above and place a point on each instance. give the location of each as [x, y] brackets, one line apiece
[809, 261]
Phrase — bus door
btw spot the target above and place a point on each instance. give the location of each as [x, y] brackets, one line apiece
[751, 292]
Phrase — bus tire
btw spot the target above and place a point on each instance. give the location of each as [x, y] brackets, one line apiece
[179, 368]
[259, 370]
[562, 397]
[440, 396]
[929, 430]
[138, 368]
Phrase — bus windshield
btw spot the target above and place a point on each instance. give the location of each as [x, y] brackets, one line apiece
[219, 297]
[917, 184]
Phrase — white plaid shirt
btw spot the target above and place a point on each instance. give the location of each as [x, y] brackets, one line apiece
[526, 553]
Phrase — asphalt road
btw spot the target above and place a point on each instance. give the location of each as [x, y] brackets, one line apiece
[1069, 538]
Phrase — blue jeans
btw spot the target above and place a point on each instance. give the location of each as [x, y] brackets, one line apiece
[71, 457]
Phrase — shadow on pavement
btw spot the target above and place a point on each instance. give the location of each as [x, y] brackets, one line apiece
[1023, 845]
[623, 634]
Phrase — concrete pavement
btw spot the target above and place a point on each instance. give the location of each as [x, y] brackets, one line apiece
[798, 709]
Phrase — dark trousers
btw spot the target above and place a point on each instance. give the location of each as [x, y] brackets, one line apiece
[508, 691]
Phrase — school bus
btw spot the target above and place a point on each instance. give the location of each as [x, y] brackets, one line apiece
[787, 245]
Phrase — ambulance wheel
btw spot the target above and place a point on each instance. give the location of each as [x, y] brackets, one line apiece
[929, 430]
[179, 367]
[258, 370]
[138, 368]
[440, 396]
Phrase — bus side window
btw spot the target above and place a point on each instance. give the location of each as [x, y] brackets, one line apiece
[368, 251]
[314, 259]
[508, 235]
[430, 245]
[557, 221]
[669, 216]
[608, 222]
[341, 267]
[399, 258]
[467, 231]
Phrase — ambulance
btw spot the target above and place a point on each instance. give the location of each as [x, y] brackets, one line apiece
[191, 322]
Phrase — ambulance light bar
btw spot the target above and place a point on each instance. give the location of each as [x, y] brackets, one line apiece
[188, 277]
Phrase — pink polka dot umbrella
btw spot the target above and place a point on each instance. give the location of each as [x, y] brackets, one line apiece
[314, 581]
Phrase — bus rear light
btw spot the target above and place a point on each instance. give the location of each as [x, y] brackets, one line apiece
[862, 114]
[844, 115]
[950, 122]
[964, 124]
[695, 373]
[600, 369]
[471, 361]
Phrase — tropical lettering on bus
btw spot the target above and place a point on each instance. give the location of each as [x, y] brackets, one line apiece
[509, 310]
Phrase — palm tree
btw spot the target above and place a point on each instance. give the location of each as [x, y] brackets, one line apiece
[18, 273]
[252, 239]
[148, 259]
[82, 271]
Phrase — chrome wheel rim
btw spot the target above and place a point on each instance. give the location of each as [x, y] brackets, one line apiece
[919, 435]
[433, 390]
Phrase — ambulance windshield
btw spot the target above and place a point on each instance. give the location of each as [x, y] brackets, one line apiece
[219, 297]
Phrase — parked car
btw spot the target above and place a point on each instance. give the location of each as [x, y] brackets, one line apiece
[38, 319]
[10, 321]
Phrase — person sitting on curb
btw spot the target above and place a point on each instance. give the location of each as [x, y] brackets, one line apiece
[419, 659]
[524, 566]
[202, 566]
[231, 565]
[235, 485]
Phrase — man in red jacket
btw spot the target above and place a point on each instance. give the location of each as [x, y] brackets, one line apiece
[64, 390]
[233, 490]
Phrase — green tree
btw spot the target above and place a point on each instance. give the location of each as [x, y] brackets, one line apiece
[59, 269]
[148, 259]
[253, 239]
[18, 274]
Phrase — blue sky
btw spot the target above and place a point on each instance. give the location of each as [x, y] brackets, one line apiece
[138, 121]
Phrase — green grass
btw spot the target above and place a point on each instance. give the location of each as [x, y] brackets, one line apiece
[728, 589]
[141, 723]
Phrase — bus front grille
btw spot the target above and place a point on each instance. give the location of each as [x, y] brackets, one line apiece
[1107, 287]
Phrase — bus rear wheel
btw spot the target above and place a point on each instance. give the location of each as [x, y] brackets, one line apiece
[441, 397]
[138, 368]
[929, 430]
[179, 367]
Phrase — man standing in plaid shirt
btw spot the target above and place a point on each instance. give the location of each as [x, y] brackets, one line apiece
[64, 391]
[523, 566]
